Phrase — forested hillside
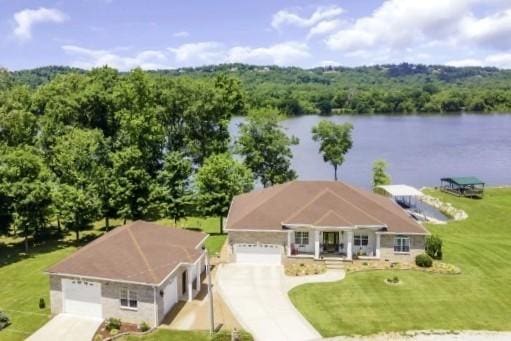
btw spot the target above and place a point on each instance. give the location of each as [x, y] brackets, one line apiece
[403, 88]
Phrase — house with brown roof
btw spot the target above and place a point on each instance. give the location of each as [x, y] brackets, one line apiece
[136, 272]
[320, 219]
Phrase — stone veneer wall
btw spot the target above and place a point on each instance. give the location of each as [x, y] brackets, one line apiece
[249, 237]
[417, 246]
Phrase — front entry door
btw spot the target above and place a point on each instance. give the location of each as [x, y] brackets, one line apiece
[330, 241]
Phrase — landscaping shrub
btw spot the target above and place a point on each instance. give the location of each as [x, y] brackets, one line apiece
[42, 303]
[143, 327]
[434, 246]
[4, 320]
[424, 261]
[113, 323]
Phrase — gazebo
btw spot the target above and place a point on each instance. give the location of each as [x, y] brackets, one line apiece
[466, 186]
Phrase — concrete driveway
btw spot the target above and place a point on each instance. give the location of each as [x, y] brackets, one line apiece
[257, 296]
[66, 327]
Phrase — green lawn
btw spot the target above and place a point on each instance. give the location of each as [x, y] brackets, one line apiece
[165, 334]
[22, 281]
[479, 298]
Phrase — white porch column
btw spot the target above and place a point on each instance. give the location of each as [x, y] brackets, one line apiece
[190, 282]
[349, 252]
[198, 269]
[377, 251]
[289, 238]
[316, 244]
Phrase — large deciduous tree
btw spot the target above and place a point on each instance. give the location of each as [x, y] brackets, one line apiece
[25, 185]
[78, 160]
[131, 185]
[218, 181]
[172, 191]
[208, 117]
[335, 141]
[265, 147]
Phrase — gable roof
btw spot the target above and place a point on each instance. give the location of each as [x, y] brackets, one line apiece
[140, 252]
[317, 203]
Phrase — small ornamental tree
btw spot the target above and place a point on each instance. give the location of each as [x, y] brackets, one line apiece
[434, 246]
[380, 175]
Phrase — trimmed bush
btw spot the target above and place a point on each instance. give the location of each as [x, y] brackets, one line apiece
[113, 323]
[42, 303]
[434, 246]
[143, 327]
[424, 261]
[4, 320]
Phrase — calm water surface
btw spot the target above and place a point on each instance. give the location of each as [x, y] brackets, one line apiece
[419, 149]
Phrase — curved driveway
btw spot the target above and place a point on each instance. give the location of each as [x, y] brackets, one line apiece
[257, 296]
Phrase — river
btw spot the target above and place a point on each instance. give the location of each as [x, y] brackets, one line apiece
[419, 149]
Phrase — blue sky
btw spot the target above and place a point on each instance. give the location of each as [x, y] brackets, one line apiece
[169, 34]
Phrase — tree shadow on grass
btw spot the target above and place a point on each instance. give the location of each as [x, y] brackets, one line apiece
[12, 252]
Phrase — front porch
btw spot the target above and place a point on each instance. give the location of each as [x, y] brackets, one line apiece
[343, 244]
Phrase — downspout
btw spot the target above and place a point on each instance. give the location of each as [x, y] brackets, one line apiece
[155, 308]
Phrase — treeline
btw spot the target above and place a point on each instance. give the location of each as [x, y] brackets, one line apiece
[94, 145]
[387, 89]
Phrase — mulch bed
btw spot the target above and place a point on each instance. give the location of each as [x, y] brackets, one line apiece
[125, 327]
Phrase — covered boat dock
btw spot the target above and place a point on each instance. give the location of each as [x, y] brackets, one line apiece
[466, 186]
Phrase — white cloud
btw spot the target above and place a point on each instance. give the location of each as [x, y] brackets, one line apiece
[27, 18]
[324, 27]
[280, 54]
[492, 31]
[501, 60]
[211, 52]
[401, 23]
[89, 58]
[181, 34]
[206, 52]
[286, 17]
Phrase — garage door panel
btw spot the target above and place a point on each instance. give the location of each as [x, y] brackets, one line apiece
[258, 253]
[170, 295]
[82, 298]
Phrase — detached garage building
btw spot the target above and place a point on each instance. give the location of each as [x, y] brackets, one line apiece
[136, 272]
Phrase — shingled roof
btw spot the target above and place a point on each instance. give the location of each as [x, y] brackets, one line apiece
[140, 252]
[320, 204]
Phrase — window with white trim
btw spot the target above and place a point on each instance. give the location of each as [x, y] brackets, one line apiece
[301, 238]
[361, 240]
[129, 298]
[401, 244]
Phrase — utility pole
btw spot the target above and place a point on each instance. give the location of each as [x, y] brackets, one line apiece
[210, 295]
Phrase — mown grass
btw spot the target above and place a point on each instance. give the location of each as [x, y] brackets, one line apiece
[22, 278]
[478, 299]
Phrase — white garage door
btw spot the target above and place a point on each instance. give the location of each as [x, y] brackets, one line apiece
[82, 298]
[169, 295]
[258, 253]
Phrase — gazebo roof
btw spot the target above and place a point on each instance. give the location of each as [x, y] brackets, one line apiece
[464, 180]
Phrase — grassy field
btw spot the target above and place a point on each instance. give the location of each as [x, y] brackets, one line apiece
[22, 281]
[479, 298]
[168, 335]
